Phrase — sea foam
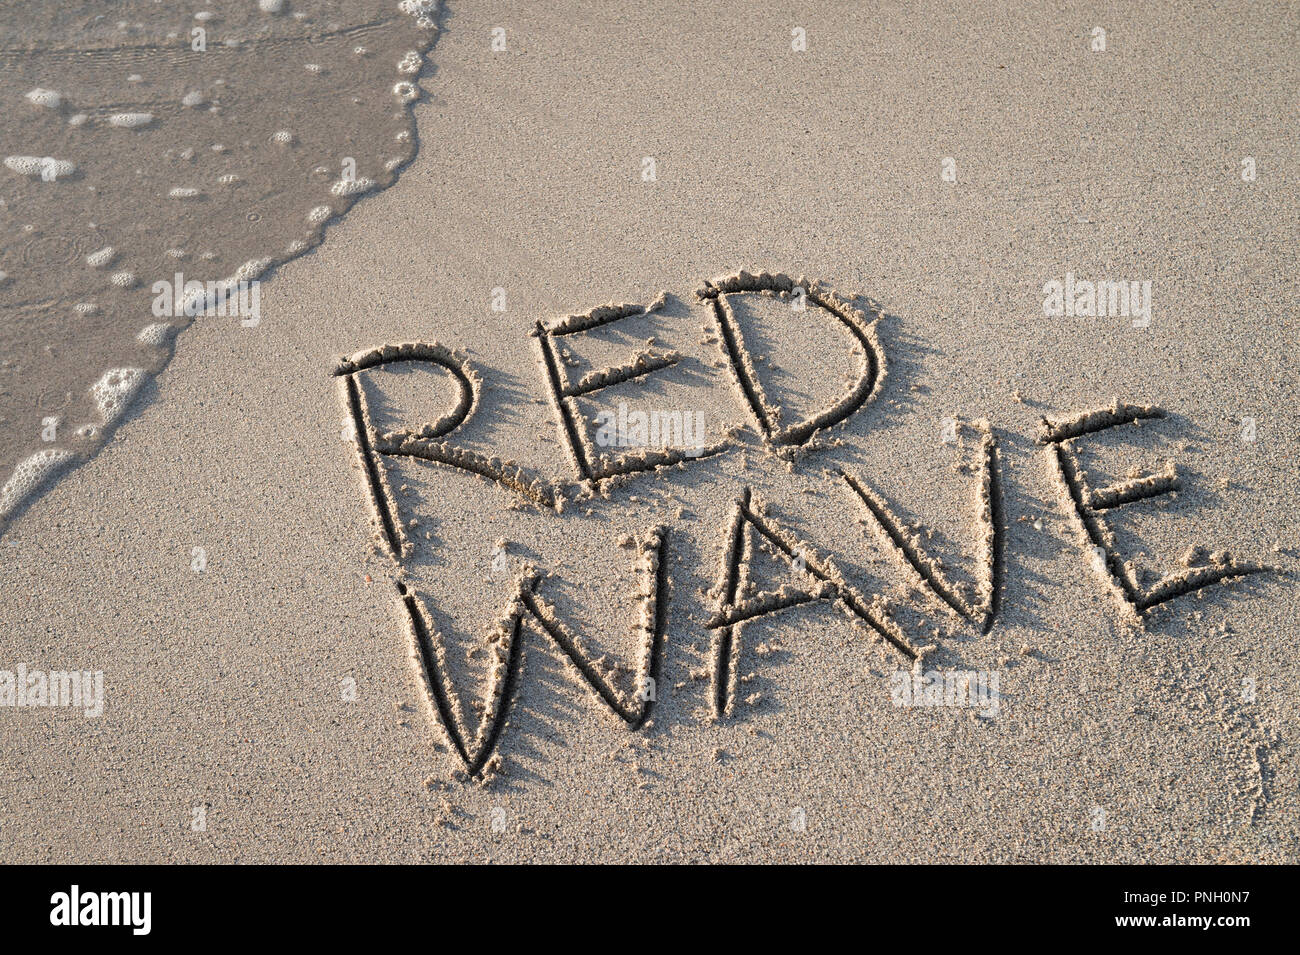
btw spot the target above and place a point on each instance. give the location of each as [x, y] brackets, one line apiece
[29, 475]
[43, 97]
[114, 391]
[41, 167]
[131, 120]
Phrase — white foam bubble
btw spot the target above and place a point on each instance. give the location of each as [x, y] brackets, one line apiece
[114, 391]
[352, 187]
[123, 279]
[131, 120]
[28, 475]
[193, 98]
[418, 8]
[43, 97]
[270, 6]
[41, 167]
[155, 334]
[406, 92]
[4, 277]
[250, 270]
[26, 165]
[78, 120]
[229, 179]
[410, 63]
[183, 192]
[105, 256]
[282, 136]
[319, 214]
[85, 308]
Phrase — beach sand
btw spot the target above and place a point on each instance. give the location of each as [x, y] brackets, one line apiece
[221, 562]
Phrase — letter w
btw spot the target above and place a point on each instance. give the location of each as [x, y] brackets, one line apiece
[505, 645]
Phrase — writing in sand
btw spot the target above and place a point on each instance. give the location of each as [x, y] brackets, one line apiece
[641, 446]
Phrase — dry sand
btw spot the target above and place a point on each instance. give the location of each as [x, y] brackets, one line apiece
[274, 694]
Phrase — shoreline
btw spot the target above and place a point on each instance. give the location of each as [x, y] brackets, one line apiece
[75, 430]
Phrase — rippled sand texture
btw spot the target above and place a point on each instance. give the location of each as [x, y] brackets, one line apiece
[153, 140]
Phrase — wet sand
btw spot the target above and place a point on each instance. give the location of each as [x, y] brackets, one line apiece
[158, 163]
